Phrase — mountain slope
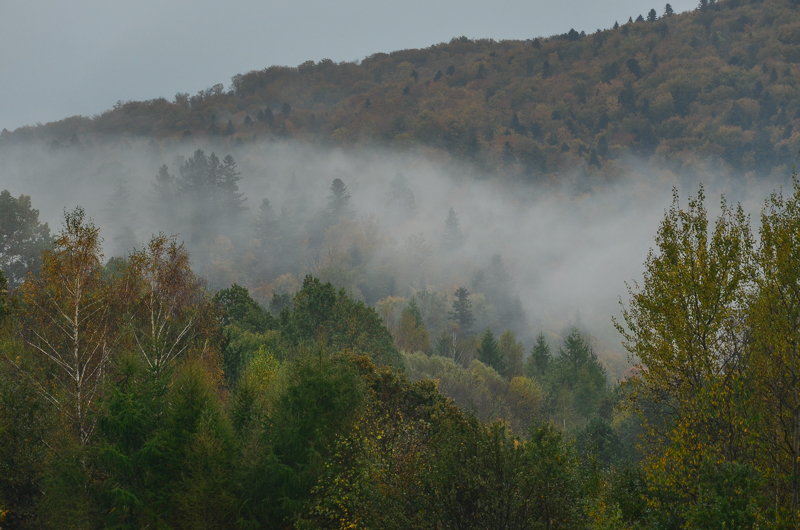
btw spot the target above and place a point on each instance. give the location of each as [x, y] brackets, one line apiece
[719, 83]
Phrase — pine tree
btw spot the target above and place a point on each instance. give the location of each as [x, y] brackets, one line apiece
[668, 11]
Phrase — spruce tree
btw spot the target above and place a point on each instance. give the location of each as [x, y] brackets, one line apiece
[489, 352]
[462, 310]
[538, 362]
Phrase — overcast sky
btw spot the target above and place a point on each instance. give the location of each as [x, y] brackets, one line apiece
[60, 58]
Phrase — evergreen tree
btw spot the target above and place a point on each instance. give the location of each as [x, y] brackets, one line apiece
[164, 186]
[22, 238]
[546, 70]
[511, 353]
[233, 200]
[652, 16]
[453, 238]
[338, 202]
[462, 310]
[668, 11]
[538, 362]
[633, 66]
[489, 352]
[578, 371]
[266, 116]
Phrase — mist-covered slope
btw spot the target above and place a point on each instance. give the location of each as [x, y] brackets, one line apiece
[717, 85]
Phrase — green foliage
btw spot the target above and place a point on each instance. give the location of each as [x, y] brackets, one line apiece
[462, 310]
[236, 306]
[22, 238]
[168, 450]
[489, 352]
[578, 372]
[27, 421]
[5, 302]
[728, 497]
[686, 325]
[321, 315]
[322, 398]
[538, 362]
[511, 353]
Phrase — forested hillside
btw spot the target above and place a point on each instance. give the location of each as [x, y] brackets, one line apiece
[379, 294]
[717, 84]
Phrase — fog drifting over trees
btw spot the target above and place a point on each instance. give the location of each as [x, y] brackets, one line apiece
[377, 223]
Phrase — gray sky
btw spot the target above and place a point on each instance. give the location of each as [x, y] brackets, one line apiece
[62, 58]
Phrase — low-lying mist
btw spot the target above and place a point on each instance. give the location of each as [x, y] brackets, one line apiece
[537, 256]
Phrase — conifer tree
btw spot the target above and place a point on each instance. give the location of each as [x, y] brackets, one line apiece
[489, 352]
[453, 238]
[338, 201]
[462, 310]
[538, 362]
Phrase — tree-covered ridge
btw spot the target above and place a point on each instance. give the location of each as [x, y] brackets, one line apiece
[718, 82]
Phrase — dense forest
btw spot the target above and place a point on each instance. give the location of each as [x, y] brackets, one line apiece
[718, 85]
[385, 294]
[132, 396]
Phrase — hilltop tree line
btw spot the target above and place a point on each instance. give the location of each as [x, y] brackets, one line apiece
[718, 84]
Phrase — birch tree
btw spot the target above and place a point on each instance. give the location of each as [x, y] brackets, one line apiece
[69, 321]
[167, 307]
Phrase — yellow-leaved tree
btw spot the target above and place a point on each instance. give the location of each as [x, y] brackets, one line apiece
[774, 322]
[69, 321]
[168, 311]
[686, 325]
